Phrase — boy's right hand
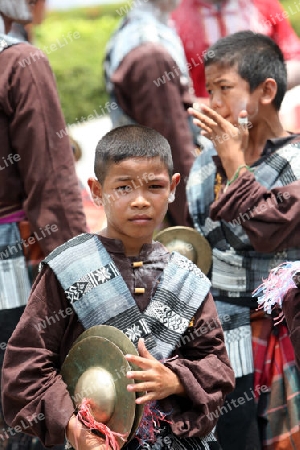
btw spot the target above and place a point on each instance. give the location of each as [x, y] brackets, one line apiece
[229, 140]
[156, 380]
[81, 438]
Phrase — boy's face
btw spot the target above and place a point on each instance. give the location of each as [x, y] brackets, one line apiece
[135, 198]
[229, 93]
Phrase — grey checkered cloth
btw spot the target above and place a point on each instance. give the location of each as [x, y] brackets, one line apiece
[237, 268]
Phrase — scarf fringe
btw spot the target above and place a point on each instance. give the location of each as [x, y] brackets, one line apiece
[150, 424]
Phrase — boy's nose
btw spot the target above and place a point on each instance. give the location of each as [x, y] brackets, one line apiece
[140, 201]
[215, 102]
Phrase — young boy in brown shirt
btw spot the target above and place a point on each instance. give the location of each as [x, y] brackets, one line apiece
[93, 279]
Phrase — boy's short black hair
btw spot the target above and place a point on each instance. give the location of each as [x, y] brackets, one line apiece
[131, 141]
[257, 58]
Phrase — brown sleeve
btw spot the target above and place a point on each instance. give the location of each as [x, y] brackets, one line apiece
[158, 107]
[33, 393]
[271, 218]
[205, 372]
[38, 135]
[291, 310]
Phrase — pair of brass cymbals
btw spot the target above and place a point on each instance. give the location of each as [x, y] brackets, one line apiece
[96, 369]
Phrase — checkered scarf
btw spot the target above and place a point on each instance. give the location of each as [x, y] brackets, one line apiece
[237, 268]
[236, 273]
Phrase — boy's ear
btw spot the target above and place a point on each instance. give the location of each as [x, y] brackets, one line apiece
[175, 181]
[269, 91]
[96, 190]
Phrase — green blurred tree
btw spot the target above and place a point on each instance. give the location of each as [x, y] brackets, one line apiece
[78, 63]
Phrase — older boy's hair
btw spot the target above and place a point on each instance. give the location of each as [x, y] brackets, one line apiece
[131, 141]
[257, 58]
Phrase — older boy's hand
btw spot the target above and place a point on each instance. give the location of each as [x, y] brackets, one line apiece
[155, 379]
[81, 438]
[229, 140]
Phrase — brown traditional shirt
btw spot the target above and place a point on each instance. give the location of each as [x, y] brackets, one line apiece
[39, 177]
[274, 228]
[32, 384]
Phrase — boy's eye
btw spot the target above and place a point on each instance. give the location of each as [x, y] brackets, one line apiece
[209, 91]
[122, 188]
[155, 186]
[225, 88]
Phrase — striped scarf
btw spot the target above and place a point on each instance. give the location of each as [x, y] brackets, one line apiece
[99, 294]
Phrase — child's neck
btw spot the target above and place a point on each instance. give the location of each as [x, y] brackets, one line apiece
[132, 247]
[259, 134]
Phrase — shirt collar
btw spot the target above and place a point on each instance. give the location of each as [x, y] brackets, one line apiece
[116, 246]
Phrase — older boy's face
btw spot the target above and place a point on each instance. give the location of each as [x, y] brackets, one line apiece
[135, 196]
[229, 93]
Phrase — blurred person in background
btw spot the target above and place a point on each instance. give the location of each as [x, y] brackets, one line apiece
[40, 203]
[148, 82]
[244, 196]
[200, 23]
[25, 32]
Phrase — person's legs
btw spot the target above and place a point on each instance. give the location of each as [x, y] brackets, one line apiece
[9, 438]
[237, 427]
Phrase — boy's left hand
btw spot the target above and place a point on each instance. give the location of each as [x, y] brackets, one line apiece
[155, 379]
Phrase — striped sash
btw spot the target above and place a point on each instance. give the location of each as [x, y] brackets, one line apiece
[99, 295]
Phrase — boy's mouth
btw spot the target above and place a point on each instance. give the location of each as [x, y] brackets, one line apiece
[140, 217]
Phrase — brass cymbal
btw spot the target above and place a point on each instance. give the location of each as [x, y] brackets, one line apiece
[113, 335]
[190, 243]
[128, 348]
[95, 368]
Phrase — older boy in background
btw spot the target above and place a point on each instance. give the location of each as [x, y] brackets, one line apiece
[244, 195]
[200, 23]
